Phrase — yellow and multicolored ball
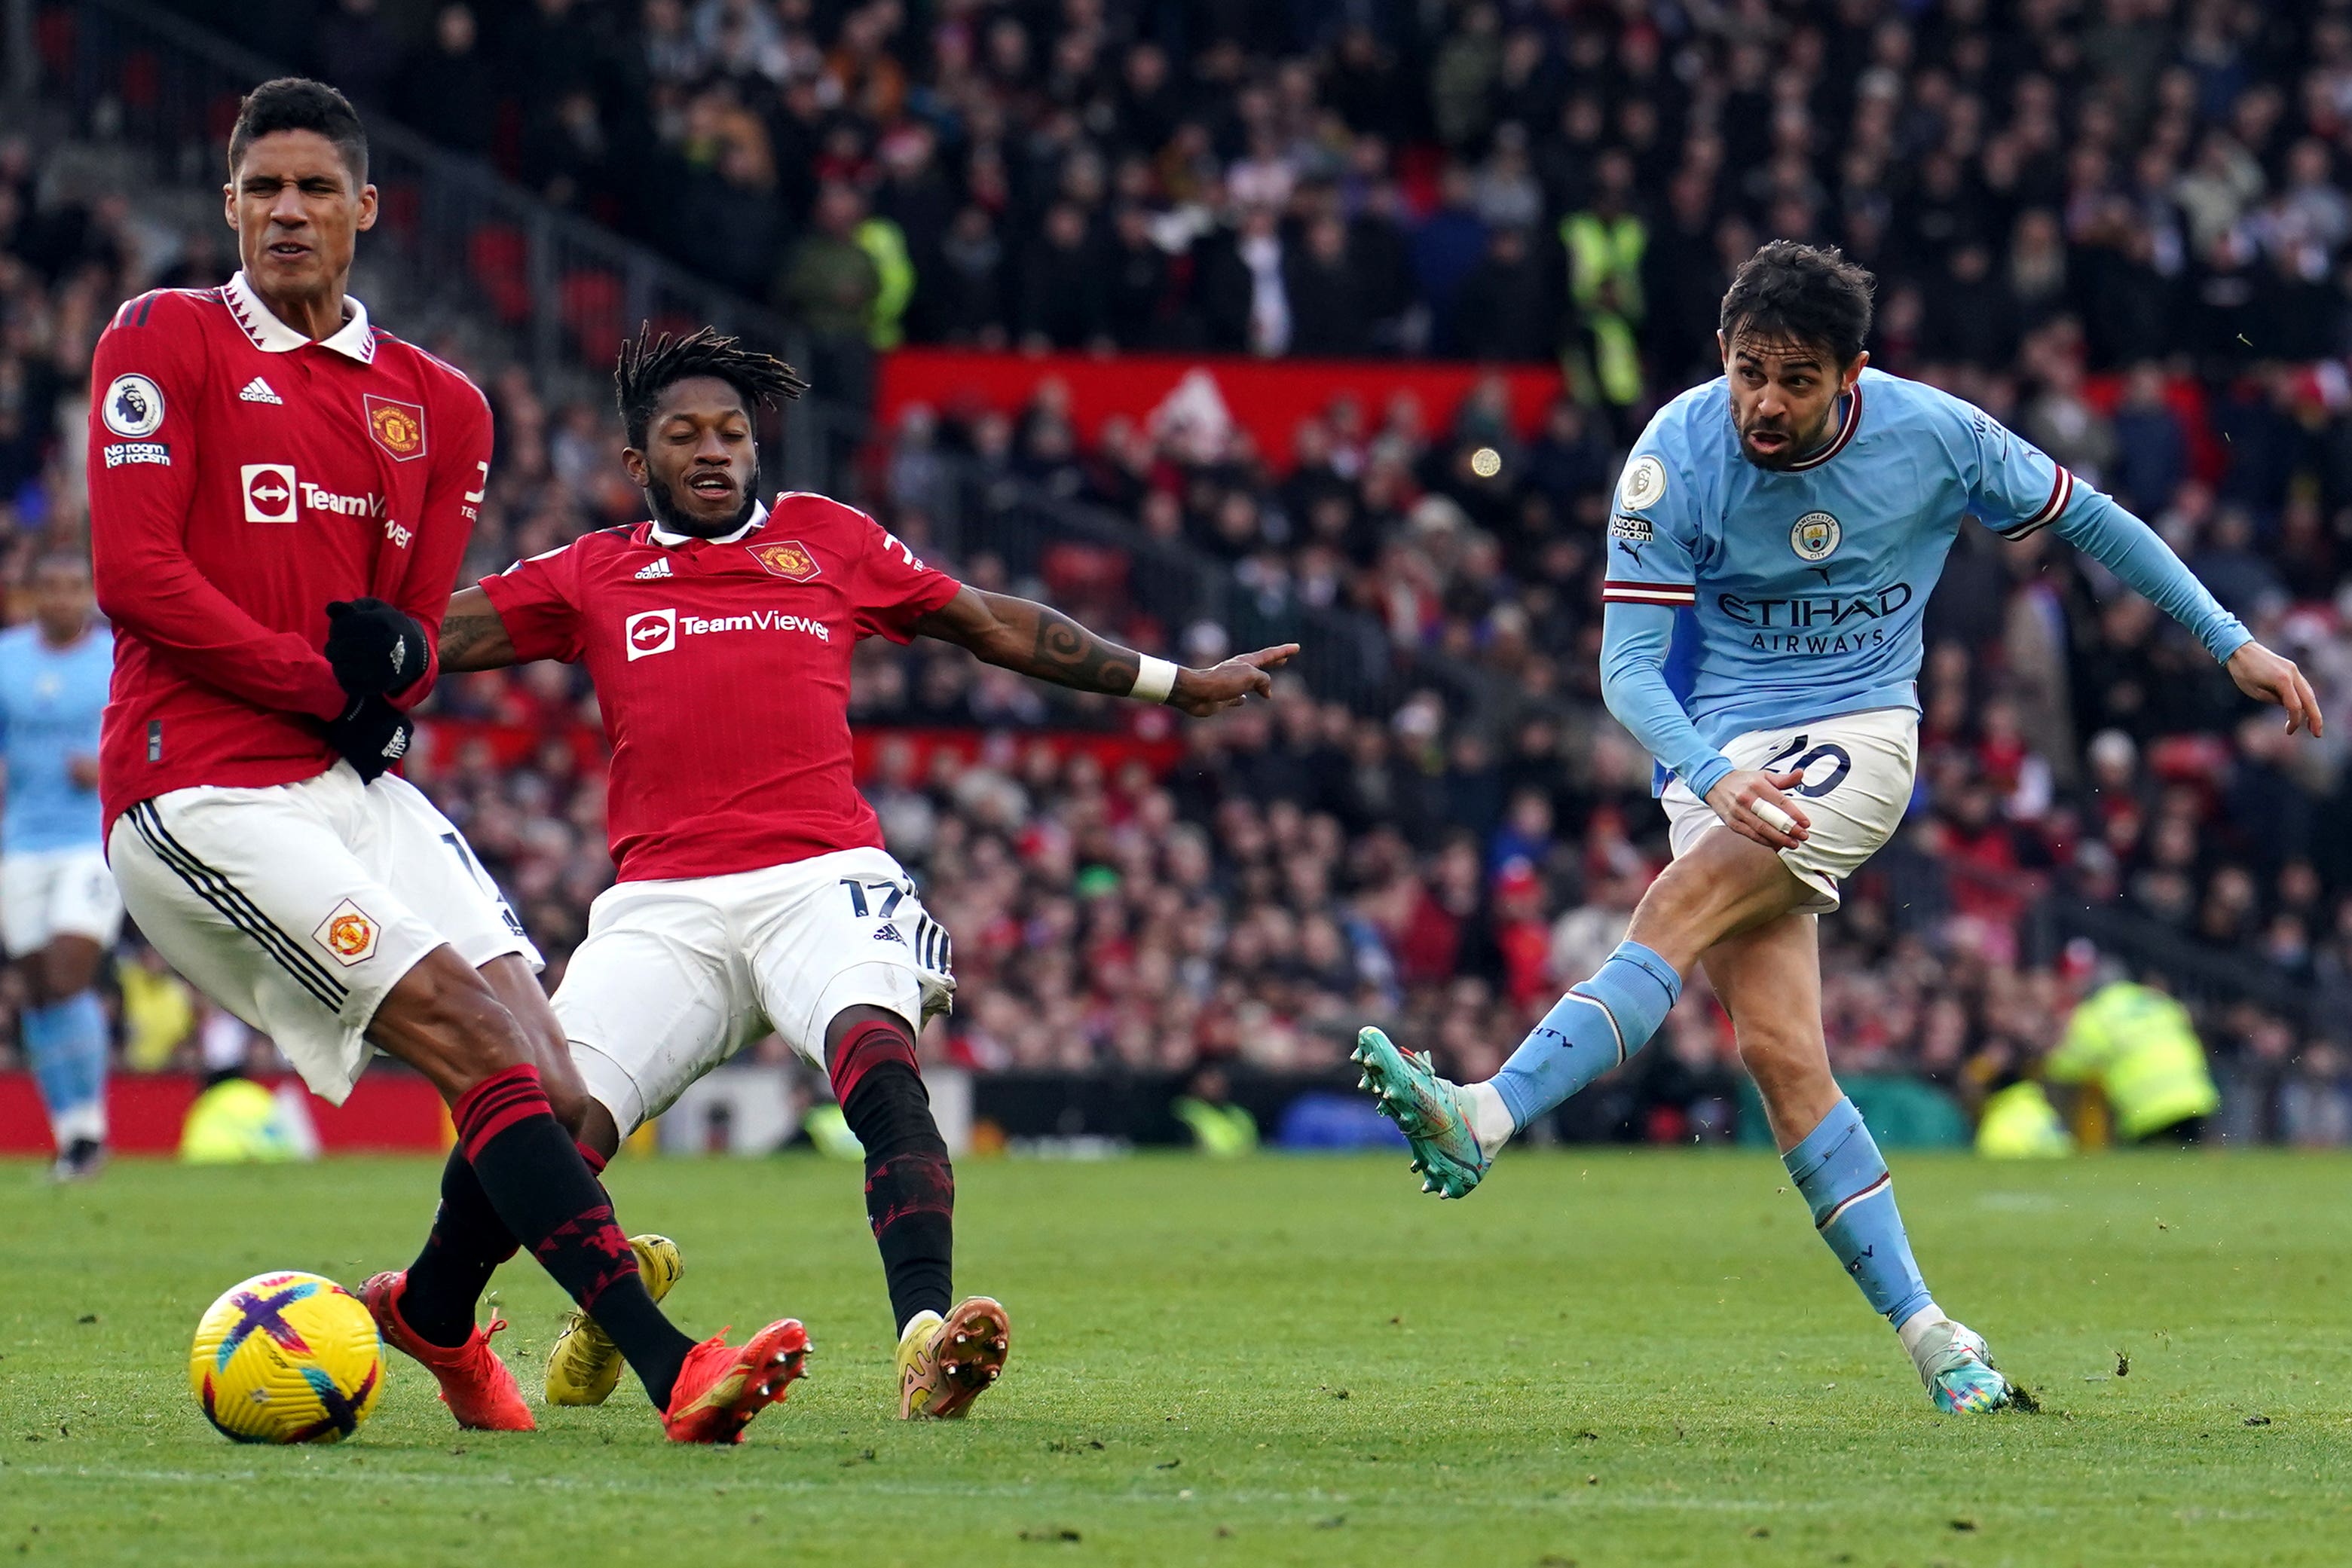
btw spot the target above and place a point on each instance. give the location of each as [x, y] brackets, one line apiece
[287, 1357]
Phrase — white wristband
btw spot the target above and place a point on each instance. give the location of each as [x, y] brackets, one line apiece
[1154, 679]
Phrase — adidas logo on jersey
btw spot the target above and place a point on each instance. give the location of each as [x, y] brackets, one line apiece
[658, 568]
[258, 391]
[888, 934]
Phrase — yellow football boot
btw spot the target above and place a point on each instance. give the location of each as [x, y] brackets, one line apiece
[585, 1364]
[945, 1364]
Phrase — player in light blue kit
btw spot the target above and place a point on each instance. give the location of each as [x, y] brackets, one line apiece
[1799, 508]
[59, 910]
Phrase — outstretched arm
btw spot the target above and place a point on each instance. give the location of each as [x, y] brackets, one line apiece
[2133, 551]
[1038, 640]
[473, 637]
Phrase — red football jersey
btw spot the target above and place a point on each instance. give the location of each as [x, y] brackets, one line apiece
[240, 476]
[722, 671]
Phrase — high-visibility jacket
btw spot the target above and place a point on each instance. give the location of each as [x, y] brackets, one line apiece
[2140, 1048]
[885, 245]
[2019, 1123]
[1605, 279]
[1219, 1130]
[238, 1122]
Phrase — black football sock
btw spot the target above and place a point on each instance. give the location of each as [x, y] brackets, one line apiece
[466, 1243]
[542, 1189]
[909, 1185]
[464, 1248]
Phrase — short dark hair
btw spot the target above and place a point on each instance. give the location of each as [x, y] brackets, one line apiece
[298, 103]
[649, 366]
[1809, 294]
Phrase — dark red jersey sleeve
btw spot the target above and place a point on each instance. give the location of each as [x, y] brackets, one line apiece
[895, 587]
[141, 468]
[453, 503]
[538, 602]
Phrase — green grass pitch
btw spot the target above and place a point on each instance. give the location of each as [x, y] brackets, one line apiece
[1602, 1357]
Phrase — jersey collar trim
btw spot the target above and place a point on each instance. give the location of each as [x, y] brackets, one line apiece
[1846, 434]
[354, 339]
[669, 540]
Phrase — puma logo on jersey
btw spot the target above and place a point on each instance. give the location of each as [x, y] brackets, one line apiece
[258, 391]
[658, 568]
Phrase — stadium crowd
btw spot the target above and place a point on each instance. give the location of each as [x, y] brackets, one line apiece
[1479, 180]
[2119, 227]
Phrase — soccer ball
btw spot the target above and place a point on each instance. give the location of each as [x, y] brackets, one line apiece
[287, 1357]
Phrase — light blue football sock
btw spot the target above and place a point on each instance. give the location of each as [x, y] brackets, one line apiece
[82, 1025]
[1599, 1023]
[53, 1069]
[67, 1042]
[1843, 1178]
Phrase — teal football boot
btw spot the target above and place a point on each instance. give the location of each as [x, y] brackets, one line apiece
[1956, 1364]
[1430, 1112]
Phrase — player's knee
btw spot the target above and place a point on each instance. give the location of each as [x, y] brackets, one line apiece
[567, 1092]
[68, 966]
[568, 1098]
[1784, 1059]
[863, 1039]
[517, 990]
[1684, 911]
[443, 1019]
[598, 1128]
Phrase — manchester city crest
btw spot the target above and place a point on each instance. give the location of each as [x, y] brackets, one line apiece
[1814, 536]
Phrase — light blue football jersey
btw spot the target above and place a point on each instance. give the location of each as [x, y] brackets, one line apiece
[1800, 592]
[50, 702]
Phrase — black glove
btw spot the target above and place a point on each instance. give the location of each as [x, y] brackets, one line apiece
[377, 649]
[372, 734]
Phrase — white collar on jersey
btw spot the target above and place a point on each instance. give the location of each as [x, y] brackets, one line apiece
[351, 339]
[669, 540]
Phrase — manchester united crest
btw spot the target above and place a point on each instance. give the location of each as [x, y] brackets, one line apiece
[398, 427]
[349, 933]
[786, 558]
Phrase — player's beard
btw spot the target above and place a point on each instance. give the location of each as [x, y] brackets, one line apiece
[1801, 446]
[663, 503]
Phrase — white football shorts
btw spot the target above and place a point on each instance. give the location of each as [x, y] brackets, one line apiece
[676, 976]
[1858, 769]
[298, 907]
[49, 893]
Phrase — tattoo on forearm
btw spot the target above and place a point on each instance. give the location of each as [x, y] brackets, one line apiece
[463, 635]
[1068, 655]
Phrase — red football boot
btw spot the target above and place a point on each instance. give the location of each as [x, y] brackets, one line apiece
[719, 1390]
[475, 1384]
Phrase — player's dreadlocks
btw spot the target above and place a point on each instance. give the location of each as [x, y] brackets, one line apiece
[650, 366]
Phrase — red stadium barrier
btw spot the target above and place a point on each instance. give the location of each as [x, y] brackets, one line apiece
[1266, 397]
[388, 1113]
[440, 740]
[1159, 753]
